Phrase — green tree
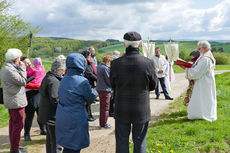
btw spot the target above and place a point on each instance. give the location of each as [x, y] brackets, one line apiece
[14, 32]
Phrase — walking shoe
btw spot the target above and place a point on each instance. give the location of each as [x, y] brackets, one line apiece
[91, 118]
[27, 137]
[169, 98]
[43, 132]
[157, 97]
[107, 126]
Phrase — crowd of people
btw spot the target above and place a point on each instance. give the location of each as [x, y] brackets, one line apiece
[62, 97]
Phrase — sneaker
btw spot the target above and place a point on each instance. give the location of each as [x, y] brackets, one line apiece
[107, 126]
[27, 137]
[157, 97]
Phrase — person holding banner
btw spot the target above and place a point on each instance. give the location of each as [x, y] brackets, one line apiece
[160, 64]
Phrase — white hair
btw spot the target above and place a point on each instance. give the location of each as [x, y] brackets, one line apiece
[205, 44]
[134, 44]
[116, 52]
[61, 57]
[12, 54]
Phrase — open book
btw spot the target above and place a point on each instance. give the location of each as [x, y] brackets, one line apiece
[183, 63]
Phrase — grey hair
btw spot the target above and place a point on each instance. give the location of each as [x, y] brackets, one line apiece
[204, 44]
[12, 54]
[57, 64]
[134, 44]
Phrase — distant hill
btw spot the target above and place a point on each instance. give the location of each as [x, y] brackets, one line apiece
[46, 47]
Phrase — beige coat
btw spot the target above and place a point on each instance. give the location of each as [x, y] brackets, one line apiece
[13, 84]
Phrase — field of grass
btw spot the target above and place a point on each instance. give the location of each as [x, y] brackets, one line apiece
[4, 116]
[173, 132]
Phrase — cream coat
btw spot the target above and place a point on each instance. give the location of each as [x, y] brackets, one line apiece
[13, 84]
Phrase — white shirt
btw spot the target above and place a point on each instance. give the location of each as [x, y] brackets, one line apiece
[160, 63]
[203, 102]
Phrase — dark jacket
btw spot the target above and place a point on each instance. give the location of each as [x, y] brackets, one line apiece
[90, 75]
[132, 76]
[103, 82]
[49, 97]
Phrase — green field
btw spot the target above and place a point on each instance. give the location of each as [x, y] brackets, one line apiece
[173, 132]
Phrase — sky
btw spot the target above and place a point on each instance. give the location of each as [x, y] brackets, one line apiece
[111, 19]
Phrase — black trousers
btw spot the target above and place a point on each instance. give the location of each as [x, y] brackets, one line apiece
[51, 145]
[30, 110]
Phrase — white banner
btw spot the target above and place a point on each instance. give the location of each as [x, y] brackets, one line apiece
[172, 51]
[148, 49]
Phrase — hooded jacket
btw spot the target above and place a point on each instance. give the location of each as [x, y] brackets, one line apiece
[71, 116]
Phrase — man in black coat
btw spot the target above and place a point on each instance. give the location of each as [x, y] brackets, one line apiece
[49, 101]
[132, 77]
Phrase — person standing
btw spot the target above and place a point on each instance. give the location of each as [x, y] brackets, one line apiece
[93, 57]
[132, 77]
[90, 73]
[104, 90]
[49, 101]
[13, 77]
[203, 102]
[33, 96]
[160, 64]
[72, 128]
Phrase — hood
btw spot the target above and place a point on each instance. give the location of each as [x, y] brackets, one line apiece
[37, 61]
[76, 61]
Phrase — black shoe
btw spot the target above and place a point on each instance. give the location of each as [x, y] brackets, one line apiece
[157, 97]
[111, 115]
[43, 132]
[91, 119]
[27, 137]
[169, 98]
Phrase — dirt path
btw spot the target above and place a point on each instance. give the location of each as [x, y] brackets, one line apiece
[102, 140]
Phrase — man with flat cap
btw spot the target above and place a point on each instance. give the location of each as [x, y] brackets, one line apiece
[132, 77]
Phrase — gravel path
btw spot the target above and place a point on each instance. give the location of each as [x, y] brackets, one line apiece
[103, 140]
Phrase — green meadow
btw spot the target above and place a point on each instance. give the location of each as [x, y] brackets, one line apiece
[174, 133]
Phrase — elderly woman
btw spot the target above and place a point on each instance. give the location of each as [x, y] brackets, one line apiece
[104, 90]
[14, 95]
[33, 96]
[49, 101]
[72, 129]
[203, 103]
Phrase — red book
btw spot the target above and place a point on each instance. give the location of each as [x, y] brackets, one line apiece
[183, 63]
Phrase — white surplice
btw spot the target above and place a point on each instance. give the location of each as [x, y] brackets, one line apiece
[203, 102]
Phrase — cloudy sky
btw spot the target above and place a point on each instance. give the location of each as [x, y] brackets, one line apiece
[103, 19]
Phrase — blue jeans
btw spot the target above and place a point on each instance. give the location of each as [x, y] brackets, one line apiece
[122, 132]
[162, 82]
[66, 150]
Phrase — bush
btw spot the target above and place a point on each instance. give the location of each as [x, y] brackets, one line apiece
[221, 58]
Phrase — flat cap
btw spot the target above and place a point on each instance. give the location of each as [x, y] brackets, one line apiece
[132, 36]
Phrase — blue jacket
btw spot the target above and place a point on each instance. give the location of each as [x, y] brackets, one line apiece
[103, 81]
[71, 116]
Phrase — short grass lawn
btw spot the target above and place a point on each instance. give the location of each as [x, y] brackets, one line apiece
[173, 132]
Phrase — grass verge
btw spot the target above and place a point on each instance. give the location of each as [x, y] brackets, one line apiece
[174, 133]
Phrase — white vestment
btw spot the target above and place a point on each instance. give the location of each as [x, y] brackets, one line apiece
[170, 77]
[203, 102]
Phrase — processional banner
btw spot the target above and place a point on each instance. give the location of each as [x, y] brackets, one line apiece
[148, 49]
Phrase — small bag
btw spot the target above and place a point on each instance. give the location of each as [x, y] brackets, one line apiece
[1, 96]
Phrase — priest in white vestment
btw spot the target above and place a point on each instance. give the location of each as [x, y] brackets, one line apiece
[203, 102]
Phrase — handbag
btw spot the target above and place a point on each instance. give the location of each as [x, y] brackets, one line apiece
[1, 96]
